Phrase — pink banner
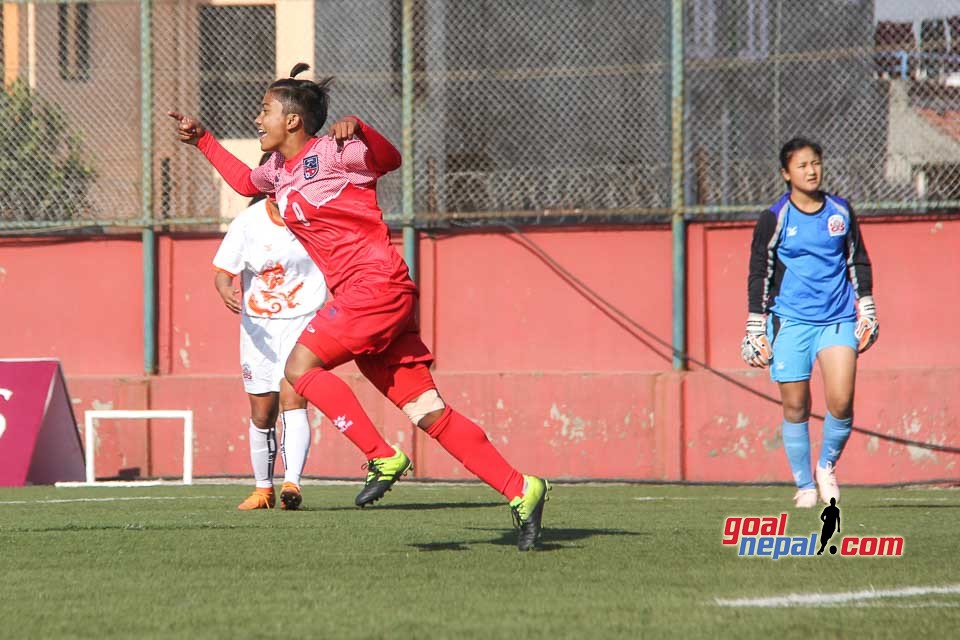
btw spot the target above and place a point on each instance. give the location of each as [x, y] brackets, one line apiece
[39, 441]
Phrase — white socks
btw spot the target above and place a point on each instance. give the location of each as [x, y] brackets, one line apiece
[296, 443]
[263, 453]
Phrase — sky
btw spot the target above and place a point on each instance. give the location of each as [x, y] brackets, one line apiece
[915, 10]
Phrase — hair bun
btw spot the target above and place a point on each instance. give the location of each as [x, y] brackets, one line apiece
[298, 68]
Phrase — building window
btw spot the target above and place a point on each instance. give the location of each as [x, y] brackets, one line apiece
[718, 29]
[703, 29]
[73, 41]
[752, 32]
[238, 61]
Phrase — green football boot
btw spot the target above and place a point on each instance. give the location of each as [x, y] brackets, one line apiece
[381, 474]
[528, 511]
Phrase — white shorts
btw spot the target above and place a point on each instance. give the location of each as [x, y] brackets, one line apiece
[265, 344]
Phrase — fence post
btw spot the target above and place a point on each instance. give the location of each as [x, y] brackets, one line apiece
[146, 191]
[406, 172]
[678, 226]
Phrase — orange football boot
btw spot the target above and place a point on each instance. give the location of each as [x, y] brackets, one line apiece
[259, 499]
[290, 497]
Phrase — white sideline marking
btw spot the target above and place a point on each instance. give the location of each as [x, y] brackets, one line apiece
[115, 483]
[822, 599]
[710, 499]
[116, 499]
[768, 499]
[930, 604]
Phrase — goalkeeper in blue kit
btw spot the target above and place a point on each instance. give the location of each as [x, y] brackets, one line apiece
[810, 299]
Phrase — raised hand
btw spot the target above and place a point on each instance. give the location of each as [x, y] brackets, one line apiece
[189, 129]
[344, 129]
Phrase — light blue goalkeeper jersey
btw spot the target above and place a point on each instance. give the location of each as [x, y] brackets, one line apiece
[815, 264]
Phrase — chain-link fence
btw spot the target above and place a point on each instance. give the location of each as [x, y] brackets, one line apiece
[541, 110]
[760, 72]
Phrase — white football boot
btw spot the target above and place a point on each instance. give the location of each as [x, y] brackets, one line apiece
[827, 483]
[805, 498]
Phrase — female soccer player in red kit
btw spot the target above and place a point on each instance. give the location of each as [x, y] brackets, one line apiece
[326, 189]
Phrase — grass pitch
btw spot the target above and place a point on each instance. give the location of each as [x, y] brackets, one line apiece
[439, 561]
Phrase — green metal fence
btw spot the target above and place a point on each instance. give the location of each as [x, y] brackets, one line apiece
[564, 111]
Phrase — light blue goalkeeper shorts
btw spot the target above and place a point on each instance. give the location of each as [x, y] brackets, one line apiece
[796, 345]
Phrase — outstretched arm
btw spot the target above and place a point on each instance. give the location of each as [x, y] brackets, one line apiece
[237, 174]
[189, 129]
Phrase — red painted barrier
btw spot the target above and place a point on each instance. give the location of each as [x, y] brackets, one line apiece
[77, 301]
[563, 386]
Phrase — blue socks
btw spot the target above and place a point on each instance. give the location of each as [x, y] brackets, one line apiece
[796, 442]
[835, 435]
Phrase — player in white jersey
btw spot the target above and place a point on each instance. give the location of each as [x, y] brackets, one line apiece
[282, 289]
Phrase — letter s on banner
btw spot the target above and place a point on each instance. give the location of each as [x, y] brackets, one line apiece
[6, 394]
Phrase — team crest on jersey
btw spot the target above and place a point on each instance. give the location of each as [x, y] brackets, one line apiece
[246, 371]
[836, 225]
[311, 167]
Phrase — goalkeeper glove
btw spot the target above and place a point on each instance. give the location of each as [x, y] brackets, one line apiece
[868, 328]
[755, 348]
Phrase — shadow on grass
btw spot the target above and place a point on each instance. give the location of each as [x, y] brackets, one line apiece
[552, 539]
[441, 546]
[911, 506]
[418, 506]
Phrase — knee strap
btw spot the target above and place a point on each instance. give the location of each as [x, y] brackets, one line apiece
[427, 402]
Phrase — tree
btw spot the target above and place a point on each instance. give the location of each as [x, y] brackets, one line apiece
[42, 173]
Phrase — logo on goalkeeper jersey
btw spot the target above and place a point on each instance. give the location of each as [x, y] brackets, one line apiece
[837, 225]
[311, 167]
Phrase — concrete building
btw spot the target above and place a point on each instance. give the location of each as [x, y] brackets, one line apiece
[210, 59]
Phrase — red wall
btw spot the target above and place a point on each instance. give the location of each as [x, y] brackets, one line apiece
[562, 386]
[77, 301]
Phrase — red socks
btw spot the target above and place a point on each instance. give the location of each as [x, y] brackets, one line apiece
[462, 438]
[333, 397]
[468, 443]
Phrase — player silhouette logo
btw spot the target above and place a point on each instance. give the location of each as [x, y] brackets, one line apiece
[831, 522]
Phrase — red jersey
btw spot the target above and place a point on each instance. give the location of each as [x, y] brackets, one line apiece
[329, 201]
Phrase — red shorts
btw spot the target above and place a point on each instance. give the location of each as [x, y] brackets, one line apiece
[376, 327]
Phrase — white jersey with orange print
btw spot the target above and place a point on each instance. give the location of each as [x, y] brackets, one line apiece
[279, 278]
[282, 290]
